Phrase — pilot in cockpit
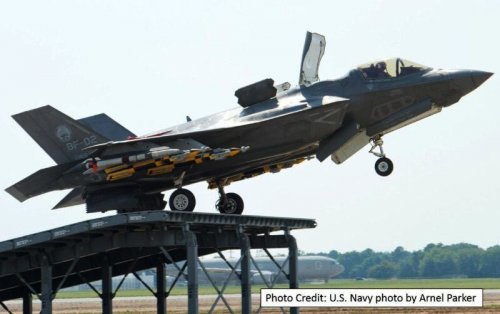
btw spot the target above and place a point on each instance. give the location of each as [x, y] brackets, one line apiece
[382, 70]
[377, 71]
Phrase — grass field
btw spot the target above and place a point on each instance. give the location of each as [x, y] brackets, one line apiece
[338, 283]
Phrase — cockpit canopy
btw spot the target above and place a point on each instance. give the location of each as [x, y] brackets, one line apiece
[390, 68]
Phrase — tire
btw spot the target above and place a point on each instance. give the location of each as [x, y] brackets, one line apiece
[182, 200]
[234, 205]
[384, 166]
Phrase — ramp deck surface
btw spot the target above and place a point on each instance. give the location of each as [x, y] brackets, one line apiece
[130, 242]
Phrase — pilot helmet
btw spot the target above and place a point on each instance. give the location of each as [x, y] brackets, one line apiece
[381, 65]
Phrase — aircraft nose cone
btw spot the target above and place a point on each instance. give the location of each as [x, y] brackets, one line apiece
[465, 81]
[479, 77]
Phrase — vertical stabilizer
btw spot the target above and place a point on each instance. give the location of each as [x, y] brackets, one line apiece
[104, 125]
[60, 136]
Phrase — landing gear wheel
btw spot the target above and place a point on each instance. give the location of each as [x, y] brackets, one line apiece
[384, 166]
[233, 205]
[182, 200]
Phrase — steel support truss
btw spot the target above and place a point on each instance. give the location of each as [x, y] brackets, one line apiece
[123, 249]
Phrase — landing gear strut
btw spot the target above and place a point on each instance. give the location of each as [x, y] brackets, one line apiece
[383, 165]
[229, 203]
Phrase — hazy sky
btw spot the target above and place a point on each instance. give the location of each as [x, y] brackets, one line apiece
[148, 64]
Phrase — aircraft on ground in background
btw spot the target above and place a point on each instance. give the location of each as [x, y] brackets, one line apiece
[110, 168]
[310, 268]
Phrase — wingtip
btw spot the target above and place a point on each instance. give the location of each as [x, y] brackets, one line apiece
[16, 193]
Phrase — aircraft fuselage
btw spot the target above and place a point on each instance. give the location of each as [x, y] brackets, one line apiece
[291, 125]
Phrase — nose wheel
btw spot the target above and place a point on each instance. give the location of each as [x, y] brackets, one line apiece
[383, 165]
[229, 203]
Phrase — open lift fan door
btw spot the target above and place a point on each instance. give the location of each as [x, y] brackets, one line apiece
[314, 48]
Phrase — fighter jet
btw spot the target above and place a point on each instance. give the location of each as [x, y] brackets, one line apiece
[276, 126]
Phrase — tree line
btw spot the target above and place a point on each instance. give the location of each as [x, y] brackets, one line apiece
[434, 261]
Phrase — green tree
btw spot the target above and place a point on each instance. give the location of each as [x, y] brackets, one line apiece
[468, 259]
[434, 261]
[437, 262]
[384, 270]
[399, 254]
[351, 262]
[490, 264]
[371, 259]
[334, 254]
[408, 267]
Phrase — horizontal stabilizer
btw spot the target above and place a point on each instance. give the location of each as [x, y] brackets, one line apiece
[106, 126]
[42, 181]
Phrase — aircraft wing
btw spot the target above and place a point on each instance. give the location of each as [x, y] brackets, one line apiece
[207, 144]
[319, 104]
[156, 139]
[314, 48]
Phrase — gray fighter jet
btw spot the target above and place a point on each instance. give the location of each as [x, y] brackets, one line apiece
[109, 168]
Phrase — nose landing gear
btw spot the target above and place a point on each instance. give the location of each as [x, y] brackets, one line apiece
[229, 203]
[383, 165]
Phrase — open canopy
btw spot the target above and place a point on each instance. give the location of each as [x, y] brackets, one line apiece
[390, 68]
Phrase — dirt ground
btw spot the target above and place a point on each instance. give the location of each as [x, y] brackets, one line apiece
[178, 304]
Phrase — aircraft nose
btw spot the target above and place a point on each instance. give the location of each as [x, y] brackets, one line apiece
[479, 77]
[466, 81]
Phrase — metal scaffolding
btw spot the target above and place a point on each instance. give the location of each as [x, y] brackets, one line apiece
[43, 263]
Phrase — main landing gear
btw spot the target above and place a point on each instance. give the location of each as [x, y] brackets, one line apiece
[229, 203]
[383, 165]
[182, 200]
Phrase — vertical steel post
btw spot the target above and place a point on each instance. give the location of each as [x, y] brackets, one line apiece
[161, 304]
[192, 263]
[246, 285]
[107, 286]
[27, 302]
[46, 296]
[293, 266]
